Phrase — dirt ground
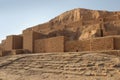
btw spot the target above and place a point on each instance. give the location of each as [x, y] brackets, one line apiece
[60, 66]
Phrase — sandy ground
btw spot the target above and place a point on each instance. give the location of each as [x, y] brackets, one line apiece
[60, 66]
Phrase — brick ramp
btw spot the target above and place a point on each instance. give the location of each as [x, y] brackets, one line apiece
[65, 66]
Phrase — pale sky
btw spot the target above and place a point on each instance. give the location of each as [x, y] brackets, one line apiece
[17, 15]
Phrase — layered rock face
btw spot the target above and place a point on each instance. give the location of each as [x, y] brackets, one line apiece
[81, 24]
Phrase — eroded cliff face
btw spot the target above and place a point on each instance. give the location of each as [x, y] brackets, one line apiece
[81, 24]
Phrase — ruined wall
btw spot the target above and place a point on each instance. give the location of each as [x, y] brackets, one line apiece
[13, 42]
[96, 44]
[0, 53]
[106, 43]
[55, 44]
[117, 43]
[1, 47]
[110, 33]
[75, 46]
[17, 42]
[8, 43]
[29, 37]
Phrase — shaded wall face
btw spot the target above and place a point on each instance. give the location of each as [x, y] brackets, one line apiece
[55, 44]
[13, 42]
[17, 42]
[117, 43]
[102, 44]
[28, 39]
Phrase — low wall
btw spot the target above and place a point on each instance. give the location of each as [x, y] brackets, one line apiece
[28, 39]
[106, 43]
[96, 44]
[77, 46]
[55, 44]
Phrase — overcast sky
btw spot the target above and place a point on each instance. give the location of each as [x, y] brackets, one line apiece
[17, 15]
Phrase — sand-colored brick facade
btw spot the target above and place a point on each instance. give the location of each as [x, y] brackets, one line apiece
[77, 46]
[28, 39]
[96, 44]
[13, 42]
[55, 44]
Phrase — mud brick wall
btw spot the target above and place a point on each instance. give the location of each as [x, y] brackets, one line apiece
[106, 43]
[108, 33]
[17, 42]
[77, 46]
[71, 46]
[28, 39]
[55, 44]
[40, 46]
[1, 47]
[8, 43]
[13, 42]
[0, 53]
[117, 43]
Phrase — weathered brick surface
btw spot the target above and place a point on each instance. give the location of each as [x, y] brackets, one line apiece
[9, 43]
[18, 42]
[28, 39]
[0, 53]
[97, 44]
[55, 44]
[102, 44]
[110, 33]
[13, 42]
[75, 46]
[117, 43]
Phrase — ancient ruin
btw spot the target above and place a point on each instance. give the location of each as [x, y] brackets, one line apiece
[80, 44]
[73, 31]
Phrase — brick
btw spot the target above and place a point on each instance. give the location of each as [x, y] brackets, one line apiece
[13, 42]
[28, 39]
[75, 46]
[55, 44]
[106, 43]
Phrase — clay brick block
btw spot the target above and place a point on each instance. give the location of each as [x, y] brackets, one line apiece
[13, 42]
[55, 44]
[71, 46]
[40, 46]
[75, 46]
[0, 53]
[106, 43]
[28, 39]
[117, 43]
[109, 33]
